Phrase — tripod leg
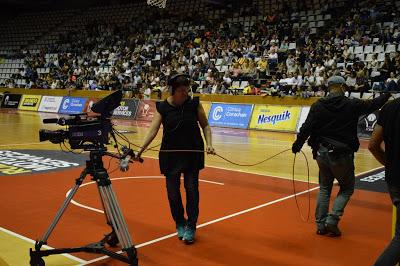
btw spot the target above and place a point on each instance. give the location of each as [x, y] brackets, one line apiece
[118, 222]
[119, 214]
[110, 238]
[61, 211]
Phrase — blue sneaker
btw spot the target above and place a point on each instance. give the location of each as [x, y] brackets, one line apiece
[180, 229]
[188, 237]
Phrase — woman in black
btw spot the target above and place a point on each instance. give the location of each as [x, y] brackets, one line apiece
[181, 116]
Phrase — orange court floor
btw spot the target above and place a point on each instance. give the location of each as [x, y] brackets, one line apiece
[249, 215]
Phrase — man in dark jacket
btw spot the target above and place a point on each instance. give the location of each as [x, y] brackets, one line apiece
[331, 127]
[387, 131]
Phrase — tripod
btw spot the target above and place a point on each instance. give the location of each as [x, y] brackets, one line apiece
[112, 210]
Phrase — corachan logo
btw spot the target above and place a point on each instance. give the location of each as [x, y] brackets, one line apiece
[65, 104]
[22, 162]
[217, 113]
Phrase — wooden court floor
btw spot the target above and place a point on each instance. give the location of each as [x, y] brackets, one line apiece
[248, 215]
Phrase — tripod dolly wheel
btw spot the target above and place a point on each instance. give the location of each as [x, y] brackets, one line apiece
[112, 239]
[36, 261]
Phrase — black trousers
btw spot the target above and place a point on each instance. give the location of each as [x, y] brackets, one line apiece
[191, 183]
[391, 255]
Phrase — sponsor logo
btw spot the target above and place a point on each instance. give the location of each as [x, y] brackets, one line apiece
[13, 163]
[373, 181]
[30, 102]
[65, 104]
[72, 105]
[273, 119]
[371, 117]
[127, 109]
[230, 115]
[122, 110]
[50, 104]
[217, 114]
[374, 178]
[11, 100]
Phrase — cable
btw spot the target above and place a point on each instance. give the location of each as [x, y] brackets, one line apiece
[308, 188]
[254, 164]
[268, 158]
[152, 147]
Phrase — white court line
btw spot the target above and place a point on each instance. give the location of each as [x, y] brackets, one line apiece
[222, 218]
[123, 178]
[45, 246]
[210, 222]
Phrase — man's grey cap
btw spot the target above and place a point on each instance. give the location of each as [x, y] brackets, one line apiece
[336, 80]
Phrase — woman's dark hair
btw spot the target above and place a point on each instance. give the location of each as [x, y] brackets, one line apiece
[179, 80]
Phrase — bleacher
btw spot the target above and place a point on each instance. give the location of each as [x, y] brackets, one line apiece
[41, 34]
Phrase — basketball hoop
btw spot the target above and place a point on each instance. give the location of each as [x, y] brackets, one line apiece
[157, 3]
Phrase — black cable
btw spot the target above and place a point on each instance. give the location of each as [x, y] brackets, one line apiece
[308, 188]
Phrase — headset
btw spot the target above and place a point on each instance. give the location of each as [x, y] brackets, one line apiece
[173, 79]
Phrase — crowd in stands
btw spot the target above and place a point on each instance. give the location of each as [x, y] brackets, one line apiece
[275, 55]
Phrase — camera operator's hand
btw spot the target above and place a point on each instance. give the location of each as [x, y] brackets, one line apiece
[210, 149]
[138, 157]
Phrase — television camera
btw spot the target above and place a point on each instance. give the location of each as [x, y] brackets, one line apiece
[83, 131]
[92, 134]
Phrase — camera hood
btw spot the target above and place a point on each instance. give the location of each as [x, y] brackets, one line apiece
[106, 105]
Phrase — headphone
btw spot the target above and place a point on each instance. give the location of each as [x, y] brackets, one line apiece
[172, 80]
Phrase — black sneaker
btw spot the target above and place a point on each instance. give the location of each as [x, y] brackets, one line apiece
[322, 231]
[333, 230]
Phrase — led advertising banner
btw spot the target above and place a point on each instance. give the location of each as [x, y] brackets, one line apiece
[50, 104]
[72, 105]
[230, 115]
[11, 100]
[275, 118]
[30, 102]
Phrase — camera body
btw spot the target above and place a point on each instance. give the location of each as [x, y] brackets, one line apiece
[80, 132]
[84, 132]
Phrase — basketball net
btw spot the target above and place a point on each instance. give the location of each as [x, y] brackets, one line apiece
[157, 3]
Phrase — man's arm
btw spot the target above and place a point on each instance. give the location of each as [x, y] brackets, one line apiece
[368, 106]
[375, 144]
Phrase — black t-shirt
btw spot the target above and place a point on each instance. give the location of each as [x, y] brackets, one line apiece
[389, 119]
[181, 131]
